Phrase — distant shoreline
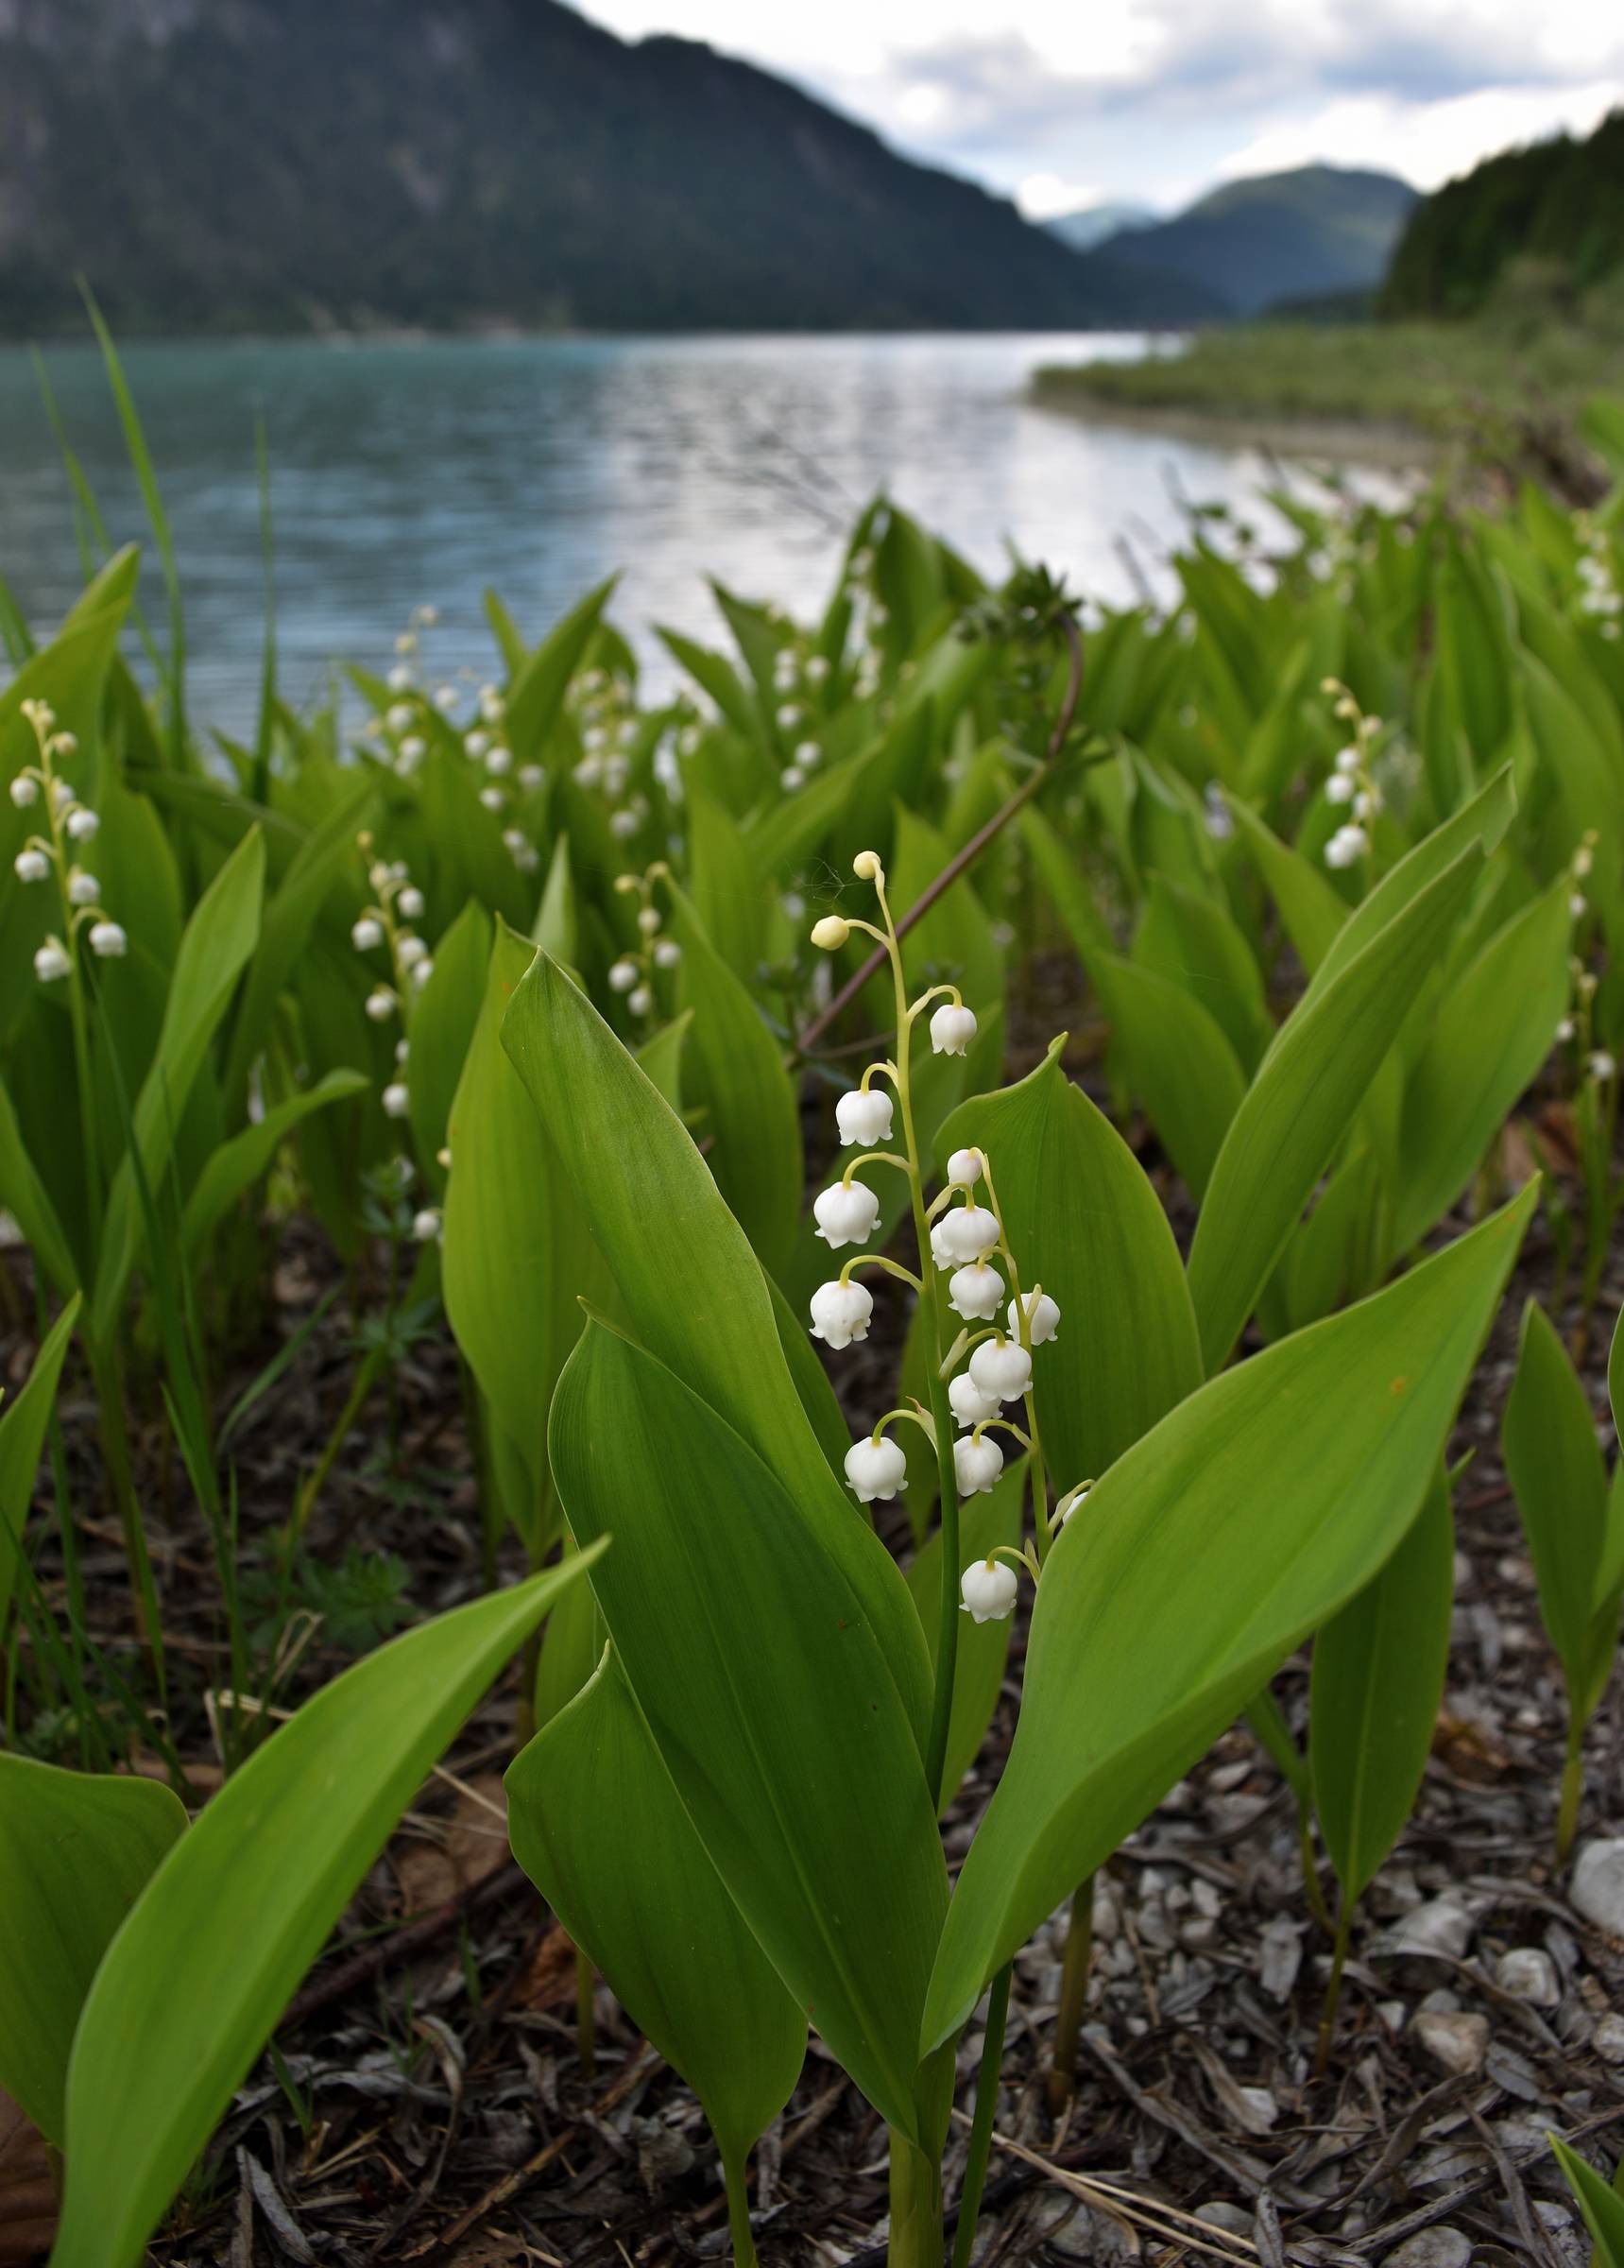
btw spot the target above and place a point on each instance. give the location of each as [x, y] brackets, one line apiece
[1342, 441]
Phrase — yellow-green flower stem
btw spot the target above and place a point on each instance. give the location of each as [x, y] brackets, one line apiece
[59, 853]
[879, 1260]
[874, 1158]
[911, 1414]
[1023, 1320]
[1003, 1425]
[642, 885]
[1018, 1555]
[941, 1411]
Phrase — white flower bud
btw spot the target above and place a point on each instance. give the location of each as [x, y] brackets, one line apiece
[1001, 1370]
[499, 760]
[445, 699]
[969, 1405]
[641, 1001]
[648, 920]
[409, 951]
[399, 677]
[624, 825]
[1577, 905]
[840, 1313]
[866, 867]
[667, 954]
[965, 1169]
[492, 797]
[51, 961]
[32, 866]
[1565, 1030]
[789, 717]
[1347, 844]
[831, 933]
[1339, 788]
[1347, 762]
[25, 791]
[864, 1117]
[623, 974]
[977, 1463]
[367, 933]
[1601, 1064]
[1043, 1315]
[964, 1233]
[876, 1468]
[975, 1292]
[989, 1588]
[379, 1004]
[395, 1099]
[846, 1213]
[403, 1050]
[477, 742]
[817, 668]
[791, 778]
[588, 772]
[531, 777]
[422, 974]
[108, 940]
[953, 1029]
[1070, 1503]
[426, 1226]
[1584, 859]
[411, 902]
[399, 717]
[491, 706]
[83, 889]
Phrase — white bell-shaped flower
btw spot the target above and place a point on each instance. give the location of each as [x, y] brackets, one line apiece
[667, 954]
[1339, 788]
[846, 1214]
[640, 1000]
[840, 1313]
[1601, 1065]
[876, 1470]
[108, 940]
[964, 1233]
[30, 866]
[975, 1292]
[411, 902]
[963, 1169]
[410, 950]
[989, 1588]
[51, 961]
[395, 1099]
[953, 1029]
[367, 933]
[422, 974]
[1070, 1503]
[25, 791]
[969, 1405]
[1347, 762]
[426, 1226]
[1042, 1314]
[1347, 844]
[83, 889]
[864, 1117]
[379, 1004]
[977, 1463]
[1001, 1370]
[623, 974]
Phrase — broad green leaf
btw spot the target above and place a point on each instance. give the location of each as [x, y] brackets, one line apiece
[188, 1995]
[517, 1256]
[217, 941]
[694, 1291]
[1492, 1032]
[23, 1424]
[75, 1852]
[1484, 820]
[1310, 909]
[1601, 2202]
[1554, 1464]
[25, 1199]
[1193, 941]
[768, 1692]
[1181, 1065]
[1378, 1682]
[1245, 1518]
[1085, 1224]
[239, 1162]
[1298, 1106]
[735, 1072]
[557, 925]
[537, 690]
[600, 1829]
[992, 1516]
[732, 895]
[1615, 1376]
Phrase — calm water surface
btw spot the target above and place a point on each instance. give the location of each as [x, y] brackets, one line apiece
[429, 470]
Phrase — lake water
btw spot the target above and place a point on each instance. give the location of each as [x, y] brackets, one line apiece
[411, 472]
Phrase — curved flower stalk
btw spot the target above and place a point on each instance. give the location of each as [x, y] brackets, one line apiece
[1353, 785]
[388, 924]
[1595, 1100]
[634, 975]
[965, 1270]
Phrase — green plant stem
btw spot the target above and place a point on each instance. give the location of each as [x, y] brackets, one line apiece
[107, 1378]
[1572, 1789]
[1333, 1989]
[982, 2124]
[1311, 1891]
[916, 2240]
[1078, 1961]
[734, 2175]
[365, 1376]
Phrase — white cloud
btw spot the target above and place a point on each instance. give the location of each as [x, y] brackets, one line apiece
[1046, 196]
[1428, 143]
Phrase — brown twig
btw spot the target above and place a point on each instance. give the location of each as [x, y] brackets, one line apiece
[972, 850]
[400, 1944]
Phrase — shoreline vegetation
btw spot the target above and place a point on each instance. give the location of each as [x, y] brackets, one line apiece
[1384, 392]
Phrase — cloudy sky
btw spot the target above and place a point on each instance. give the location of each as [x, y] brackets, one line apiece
[1065, 103]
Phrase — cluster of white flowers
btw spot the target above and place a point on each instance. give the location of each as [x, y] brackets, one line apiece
[1600, 597]
[633, 974]
[609, 730]
[70, 826]
[1352, 783]
[799, 682]
[388, 924]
